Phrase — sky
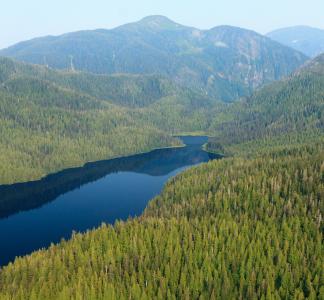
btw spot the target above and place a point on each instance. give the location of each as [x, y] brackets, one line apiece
[25, 19]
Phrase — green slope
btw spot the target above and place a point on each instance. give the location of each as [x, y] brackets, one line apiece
[224, 62]
[245, 227]
[122, 89]
[78, 117]
[231, 229]
[288, 108]
[46, 127]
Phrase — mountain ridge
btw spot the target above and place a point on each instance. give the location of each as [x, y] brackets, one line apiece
[219, 62]
[306, 39]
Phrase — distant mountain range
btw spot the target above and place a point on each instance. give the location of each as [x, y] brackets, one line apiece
[305, 39]
[224, 62]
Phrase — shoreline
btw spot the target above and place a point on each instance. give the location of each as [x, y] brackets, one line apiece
[117, 220]
[89, 162]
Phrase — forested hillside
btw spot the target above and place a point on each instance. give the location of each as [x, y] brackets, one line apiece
[45, 127]
[289, 109]
[236, 229]
[121, 89]
[57, 119]
[224, 62]
[244, 227]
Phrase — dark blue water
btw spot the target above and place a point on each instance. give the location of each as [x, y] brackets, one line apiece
[35, 214]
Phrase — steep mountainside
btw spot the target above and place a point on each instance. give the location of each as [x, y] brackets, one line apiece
[293, 106]
[224, 62]
[307, 40]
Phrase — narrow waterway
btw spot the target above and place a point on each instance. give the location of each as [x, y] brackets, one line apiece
[35, 214]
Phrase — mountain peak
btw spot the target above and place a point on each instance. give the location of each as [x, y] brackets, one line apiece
[159, 22]
[306, 39]
[295, 29]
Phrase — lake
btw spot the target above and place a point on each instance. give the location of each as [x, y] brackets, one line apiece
[35, 214]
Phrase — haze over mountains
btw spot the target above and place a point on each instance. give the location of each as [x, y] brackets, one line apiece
[224, 62]
[305, 39]
[247, 226]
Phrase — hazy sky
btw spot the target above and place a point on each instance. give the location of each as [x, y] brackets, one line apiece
[25, 19]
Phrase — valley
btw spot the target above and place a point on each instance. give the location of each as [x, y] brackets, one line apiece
[65, 201]
[102, 194]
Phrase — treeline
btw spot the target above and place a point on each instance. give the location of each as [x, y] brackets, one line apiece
[231, 229]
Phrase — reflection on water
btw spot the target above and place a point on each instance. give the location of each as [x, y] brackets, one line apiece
[34, 214]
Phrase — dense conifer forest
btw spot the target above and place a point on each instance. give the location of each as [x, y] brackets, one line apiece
[73, 117]
[248, 226]
[239, 228]
[287, 112]
[48, 122]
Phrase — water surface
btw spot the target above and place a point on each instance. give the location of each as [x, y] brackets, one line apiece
[35, 214]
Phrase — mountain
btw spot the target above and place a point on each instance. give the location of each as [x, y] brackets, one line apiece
[243, 227]
[224, 62]
[305, 39]
[293, 107]
[56, 119]
[47, 124]
[314, 66]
